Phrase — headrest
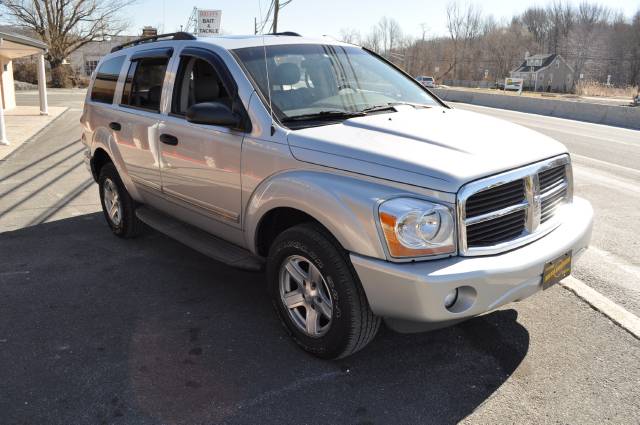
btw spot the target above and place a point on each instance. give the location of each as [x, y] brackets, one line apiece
[286, 73]
[206, 88]
[154, 95]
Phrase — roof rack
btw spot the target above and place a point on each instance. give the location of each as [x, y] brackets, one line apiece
[174, 36]
[289, 33]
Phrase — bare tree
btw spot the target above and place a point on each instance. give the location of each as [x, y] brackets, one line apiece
[464, 26]
[561, 19]
[537, 22]
[504, 45]
[66, 25]
[634, 78]
[373, 40]
[591, 19]
[390, 34]
[350, 35]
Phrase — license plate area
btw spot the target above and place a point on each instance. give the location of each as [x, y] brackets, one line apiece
[556, 270]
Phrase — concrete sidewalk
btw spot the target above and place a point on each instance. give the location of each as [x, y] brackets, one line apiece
[46, 179]
[23, 122]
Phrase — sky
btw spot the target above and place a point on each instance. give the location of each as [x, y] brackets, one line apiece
[328, 17]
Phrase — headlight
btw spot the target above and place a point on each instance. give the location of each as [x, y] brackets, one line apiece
[417, 228]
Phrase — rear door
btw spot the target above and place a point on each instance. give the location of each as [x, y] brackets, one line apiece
[201, 163]
[138, 116]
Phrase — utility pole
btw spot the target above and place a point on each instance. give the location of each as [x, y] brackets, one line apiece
[276, 10]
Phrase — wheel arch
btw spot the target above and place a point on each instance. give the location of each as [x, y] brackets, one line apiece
[99, 158]
[342, 205]
[103, 147]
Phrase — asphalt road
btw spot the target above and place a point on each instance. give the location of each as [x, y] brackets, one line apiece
[94, 329]
[606, 164]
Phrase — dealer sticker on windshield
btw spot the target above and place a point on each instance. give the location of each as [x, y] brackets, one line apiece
[556, 270]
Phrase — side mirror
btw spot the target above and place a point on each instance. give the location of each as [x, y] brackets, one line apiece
[213, 113]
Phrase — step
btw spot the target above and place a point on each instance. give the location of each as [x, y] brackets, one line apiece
[203, 242]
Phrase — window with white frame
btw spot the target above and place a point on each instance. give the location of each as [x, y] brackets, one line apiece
[90, 66]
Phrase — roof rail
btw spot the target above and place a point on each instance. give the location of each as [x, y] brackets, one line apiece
[289, 33]
[174, 36]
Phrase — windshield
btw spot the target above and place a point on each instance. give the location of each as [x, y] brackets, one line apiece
[311, 81]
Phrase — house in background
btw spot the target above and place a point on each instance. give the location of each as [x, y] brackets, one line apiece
[546, 72]
[84, 60]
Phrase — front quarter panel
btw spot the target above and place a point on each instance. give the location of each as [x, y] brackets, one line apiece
[344, 204]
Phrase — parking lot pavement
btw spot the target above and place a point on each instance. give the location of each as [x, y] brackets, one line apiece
[95, 329]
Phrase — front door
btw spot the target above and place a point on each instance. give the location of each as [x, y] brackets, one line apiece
[201, 163]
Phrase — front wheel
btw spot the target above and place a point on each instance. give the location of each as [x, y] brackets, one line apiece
[317, 294]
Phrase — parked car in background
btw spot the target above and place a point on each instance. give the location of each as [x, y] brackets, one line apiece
[364, 196]
[426, 81]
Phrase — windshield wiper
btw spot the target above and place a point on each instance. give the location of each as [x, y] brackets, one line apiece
[390, 106]
[324, 115]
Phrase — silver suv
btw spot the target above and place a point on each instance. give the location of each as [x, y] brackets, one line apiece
[363, 195]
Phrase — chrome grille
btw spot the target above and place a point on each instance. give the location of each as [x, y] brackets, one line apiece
[553, 189]
[497, 230]
[495, 198]
[513, 208]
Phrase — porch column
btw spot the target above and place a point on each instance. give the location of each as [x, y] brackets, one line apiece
[3, 130]
[42, 85]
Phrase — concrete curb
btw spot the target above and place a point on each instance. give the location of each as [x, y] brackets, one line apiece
[621, 316]
[619, 116]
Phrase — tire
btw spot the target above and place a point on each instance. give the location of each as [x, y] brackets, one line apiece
[332, 287]
[123, 222]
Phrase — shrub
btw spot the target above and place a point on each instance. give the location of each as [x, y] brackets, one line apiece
[592, 88]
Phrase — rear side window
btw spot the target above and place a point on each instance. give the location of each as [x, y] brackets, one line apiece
[104, 87]
[143, 86]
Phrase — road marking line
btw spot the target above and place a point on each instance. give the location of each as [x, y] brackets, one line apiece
[603, 178]
[608, 164]
[618, 314]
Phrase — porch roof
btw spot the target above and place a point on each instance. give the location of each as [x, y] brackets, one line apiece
[16, 46]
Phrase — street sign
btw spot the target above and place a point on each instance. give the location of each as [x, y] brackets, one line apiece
[209, 22]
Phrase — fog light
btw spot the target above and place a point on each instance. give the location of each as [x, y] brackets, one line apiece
[451, 298]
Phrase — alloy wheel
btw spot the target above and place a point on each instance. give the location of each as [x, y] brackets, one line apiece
[306, 296]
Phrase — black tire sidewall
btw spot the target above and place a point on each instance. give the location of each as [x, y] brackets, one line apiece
[315, 247]
[109, 171]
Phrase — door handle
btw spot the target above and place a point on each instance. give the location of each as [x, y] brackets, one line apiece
[168, 139]
[115, 126]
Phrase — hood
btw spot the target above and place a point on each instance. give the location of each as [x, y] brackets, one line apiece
[436, 148]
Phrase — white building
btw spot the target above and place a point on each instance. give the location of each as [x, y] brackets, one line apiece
[84, 60]
[546, 72]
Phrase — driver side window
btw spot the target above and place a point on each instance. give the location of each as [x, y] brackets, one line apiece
[197, 82]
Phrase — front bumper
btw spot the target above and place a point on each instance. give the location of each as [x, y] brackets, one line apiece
[415, 292]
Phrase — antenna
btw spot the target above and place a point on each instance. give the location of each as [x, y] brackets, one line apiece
[266, 68]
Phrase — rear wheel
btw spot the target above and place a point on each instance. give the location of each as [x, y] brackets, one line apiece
[117, 205]
[317, 294]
